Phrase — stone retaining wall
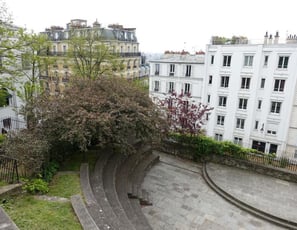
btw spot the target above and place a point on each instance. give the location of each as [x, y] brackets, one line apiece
[186, 151]
[279, 173]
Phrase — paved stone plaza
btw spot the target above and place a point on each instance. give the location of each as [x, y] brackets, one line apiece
[182, 200]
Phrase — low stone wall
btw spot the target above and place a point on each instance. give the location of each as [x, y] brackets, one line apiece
[279, 173]
[186, 151]
[176, 149]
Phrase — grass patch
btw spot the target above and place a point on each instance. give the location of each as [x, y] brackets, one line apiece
[73, 162]
[64, 185]
[29, 213]
[3, 183]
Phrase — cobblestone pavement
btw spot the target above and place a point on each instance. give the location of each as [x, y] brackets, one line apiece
[269, 194]
[182, 200]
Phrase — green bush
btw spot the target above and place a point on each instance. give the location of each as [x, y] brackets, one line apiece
[2, 138]
[206, 146]
[36, 186]
[50, 170]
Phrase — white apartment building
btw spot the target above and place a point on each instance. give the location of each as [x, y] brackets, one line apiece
[10, 119]
[252, 88]
[177, 72]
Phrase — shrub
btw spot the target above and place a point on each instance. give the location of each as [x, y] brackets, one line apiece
[30, 150]
[2, 138]
[50, 170]
[36, 186]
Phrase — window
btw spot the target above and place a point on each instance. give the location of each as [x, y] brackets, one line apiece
[256, 125]
[64, 48]
[220, 120]
[225, 81]
[54, 50]
[6, 98]
[273, 148]
[208, 98]
[245, 82]
[170, 87]
[157, 86]
[187, 88]
[172, 70]
[242, 103]
[240, 123]
[210, 79]
[188, 70]
[227, 60]
[259, 145]
[266, 60]
[279, 85]
[211, 59]
[237, 140]
[218, 137]
[6, 123]
[273, 132]
[248, 60]
[157, 69]
[259, 104]
[283, 62]
[275, 107]
[295, 154]
[222, 101]
[262, 83]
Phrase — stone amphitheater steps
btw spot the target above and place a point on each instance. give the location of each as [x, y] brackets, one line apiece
[93, 207]
[135, 215]
[109, 175]
[81, 211]
[5, 222]
[98, 189]
[242, 205]
[105, 191]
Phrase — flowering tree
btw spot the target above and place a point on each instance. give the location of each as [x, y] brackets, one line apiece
[183, 114]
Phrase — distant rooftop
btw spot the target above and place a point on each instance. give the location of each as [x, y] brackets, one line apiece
[269, 39]
[181, 57]
[113, 32]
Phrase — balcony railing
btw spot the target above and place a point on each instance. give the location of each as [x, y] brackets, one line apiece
[63, 54]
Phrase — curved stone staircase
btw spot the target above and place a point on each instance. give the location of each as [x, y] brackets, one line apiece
[112, 195]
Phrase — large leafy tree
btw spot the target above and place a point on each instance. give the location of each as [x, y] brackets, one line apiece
[108, 110]
[20, 61]
[91, 57]
[27, 72]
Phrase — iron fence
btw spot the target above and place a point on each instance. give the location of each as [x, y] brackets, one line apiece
[8, 169]
[263, 159]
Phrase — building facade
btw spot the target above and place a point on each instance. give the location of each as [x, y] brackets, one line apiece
[177, 72]
[252, 88]
[10, 102]
[120, 40]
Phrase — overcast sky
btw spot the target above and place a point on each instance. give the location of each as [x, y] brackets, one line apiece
[165, 25]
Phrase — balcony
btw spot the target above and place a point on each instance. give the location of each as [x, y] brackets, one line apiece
[129, 54]
[63, 54]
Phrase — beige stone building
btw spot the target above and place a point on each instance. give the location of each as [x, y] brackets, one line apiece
[120, 40]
